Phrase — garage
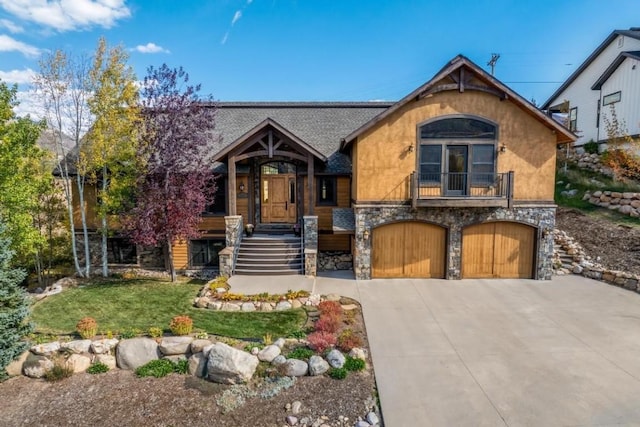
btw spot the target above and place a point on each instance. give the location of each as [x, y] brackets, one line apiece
[498, 250]
[408, 249]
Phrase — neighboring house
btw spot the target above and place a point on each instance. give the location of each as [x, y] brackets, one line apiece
[609, 77]
[456, 180]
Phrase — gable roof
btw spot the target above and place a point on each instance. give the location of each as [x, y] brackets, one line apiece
[455, 64]
[614, 66]
[320, 125]
[633, 32]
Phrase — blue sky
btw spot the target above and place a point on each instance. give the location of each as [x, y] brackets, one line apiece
[308, 50]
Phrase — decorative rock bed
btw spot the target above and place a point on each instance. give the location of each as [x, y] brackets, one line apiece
[583, 265]
[220, 299]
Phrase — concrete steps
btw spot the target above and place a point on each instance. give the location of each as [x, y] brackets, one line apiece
[270, 254]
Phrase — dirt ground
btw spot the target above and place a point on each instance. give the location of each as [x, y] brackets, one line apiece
[119, 398]
[615, 246]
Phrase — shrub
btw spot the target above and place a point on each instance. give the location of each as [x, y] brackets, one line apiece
[98, 368]
[348, 340]
[181, 325]
[321, 340]
[328, 322]
[338, 373]
[156, 368]
[327, 307]
[87, 327]
[129, 333]
[60, 370]
[181, 367]
[155, 332]
[591, 147]
[354, 365]
[299, 334]
[300, 353]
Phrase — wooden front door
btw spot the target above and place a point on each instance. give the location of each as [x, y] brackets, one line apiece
[278, 198]
[498, 249]
[408, 249]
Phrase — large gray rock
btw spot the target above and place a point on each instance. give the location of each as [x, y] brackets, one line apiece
[269, 353]
[104, 345]
[317, 365]
[295, 368]
[336, 359]
[198, 364]
[227, 365]
[36, 366]
[283, 305]
[79, 363]
[46, 349]
[280, 342]
[14, 368]
[198, 345]
[106, 359]
[248, 306]
[170, 346]
[279, 360]
[78, 346]
[135, 352]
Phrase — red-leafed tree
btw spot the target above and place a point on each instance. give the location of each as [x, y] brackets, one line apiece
[176, 181]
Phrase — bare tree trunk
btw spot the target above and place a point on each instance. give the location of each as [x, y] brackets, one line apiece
[74, 246]
[38, 265]
[103, 214]
[172, 269]
[85, 232]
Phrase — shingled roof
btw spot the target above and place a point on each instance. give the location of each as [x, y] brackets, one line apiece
[321, 125]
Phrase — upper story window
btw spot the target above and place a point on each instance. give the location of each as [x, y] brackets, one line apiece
[219, 204]
[612, 98]
[458, 128]
[573, 119]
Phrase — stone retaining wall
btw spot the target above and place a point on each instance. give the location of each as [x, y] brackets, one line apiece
[335, 260]
[625, 203]
[588, 161]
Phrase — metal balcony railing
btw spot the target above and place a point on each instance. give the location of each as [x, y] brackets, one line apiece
[460, 186]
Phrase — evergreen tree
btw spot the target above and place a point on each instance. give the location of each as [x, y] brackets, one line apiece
[14, 307]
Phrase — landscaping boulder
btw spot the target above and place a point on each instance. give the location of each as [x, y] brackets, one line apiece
[78, 346]
[283, 305]
[106, 359]
[198, 345]
[317, 365]
[175, 358]
[279, 360]
[280, 342]
[358, 353]
[46, 349]
[198, 364]
[15, 368]
[79, 363]
[103, 346]
[135, 352]
[36, 366]
[248, 306]
[269, 353]
[295, 368]
[336, 359]
[230, 306]
[266, 306]
[227, 365]
[170, 346]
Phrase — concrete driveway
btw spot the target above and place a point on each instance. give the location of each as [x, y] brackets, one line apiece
[564, 352]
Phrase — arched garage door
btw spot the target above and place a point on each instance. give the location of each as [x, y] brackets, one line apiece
[498, 249]
[408, 249]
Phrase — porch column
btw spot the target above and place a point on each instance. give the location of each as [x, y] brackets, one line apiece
[310, 183]
[232, 185]
[310, 243]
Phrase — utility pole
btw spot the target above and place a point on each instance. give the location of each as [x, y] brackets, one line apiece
[492, 61]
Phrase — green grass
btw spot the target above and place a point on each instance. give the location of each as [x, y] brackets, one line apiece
[140, 304]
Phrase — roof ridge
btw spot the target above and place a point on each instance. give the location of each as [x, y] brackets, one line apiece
[304, 104]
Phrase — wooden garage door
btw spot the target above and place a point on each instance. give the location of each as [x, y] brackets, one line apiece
[408, 249]
[498, 249]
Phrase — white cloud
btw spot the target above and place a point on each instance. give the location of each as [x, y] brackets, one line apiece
[236, 17]
[225, 38]
[66, 15]
[150, 48]
[9, 44]
[11, 26]
[17, 76]
[30, 104]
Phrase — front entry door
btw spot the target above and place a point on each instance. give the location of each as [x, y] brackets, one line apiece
[457, 170]
[278, 198]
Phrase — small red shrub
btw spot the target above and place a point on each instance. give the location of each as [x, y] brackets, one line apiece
[348, 340]
[321, 340]
[330, 307]
[328, 323]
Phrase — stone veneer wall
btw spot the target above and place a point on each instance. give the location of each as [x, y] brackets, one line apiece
[310, 244]
[233, 234]
[151, 257]
[454, 220]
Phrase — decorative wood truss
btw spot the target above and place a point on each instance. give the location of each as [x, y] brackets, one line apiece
[462, 81]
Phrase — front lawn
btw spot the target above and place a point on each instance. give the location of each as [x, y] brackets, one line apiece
[126, 304]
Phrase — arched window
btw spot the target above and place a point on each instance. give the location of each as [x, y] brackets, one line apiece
[457, 153]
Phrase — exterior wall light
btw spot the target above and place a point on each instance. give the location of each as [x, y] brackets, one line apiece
[241, 187]
[365, 235]
[503, 148]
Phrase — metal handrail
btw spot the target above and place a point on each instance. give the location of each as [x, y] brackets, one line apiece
[471, 185]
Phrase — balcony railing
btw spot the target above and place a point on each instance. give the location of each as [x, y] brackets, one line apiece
[462, 189]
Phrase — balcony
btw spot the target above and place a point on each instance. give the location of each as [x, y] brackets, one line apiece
[462, 189]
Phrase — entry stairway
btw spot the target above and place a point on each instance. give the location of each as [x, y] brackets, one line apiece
[270, 254]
